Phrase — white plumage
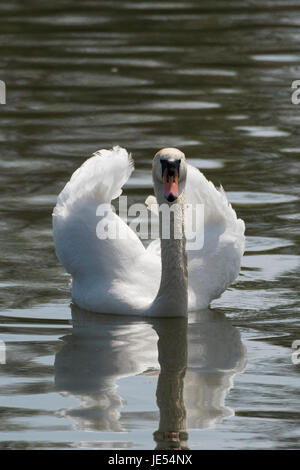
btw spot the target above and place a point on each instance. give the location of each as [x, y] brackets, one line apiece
[121, 275]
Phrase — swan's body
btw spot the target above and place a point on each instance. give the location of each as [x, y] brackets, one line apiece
[122, 276]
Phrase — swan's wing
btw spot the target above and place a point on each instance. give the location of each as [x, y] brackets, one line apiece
[215, 239]
[82, 215]
[99, 179]
[216, 264]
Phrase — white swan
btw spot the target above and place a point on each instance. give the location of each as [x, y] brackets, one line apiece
[120, 275]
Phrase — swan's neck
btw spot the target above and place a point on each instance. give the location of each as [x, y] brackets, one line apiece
[172, 297]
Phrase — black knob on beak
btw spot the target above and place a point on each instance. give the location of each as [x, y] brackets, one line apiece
[170, 165]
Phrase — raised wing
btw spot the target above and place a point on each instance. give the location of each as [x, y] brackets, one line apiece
[214, 266]
[215, 240]
[82, 215]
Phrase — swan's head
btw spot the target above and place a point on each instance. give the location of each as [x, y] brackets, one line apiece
[169, 174]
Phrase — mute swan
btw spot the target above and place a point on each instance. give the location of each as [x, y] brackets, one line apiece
[120, 275]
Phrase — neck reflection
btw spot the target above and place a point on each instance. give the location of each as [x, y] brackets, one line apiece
[172, 357]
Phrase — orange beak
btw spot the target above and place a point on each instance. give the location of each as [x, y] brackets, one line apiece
[170, 185]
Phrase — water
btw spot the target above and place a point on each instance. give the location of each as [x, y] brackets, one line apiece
[214, 79]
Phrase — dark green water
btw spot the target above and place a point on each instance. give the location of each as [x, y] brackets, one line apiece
[214, 79]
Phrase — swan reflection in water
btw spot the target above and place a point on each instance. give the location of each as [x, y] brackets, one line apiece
[195, 363]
